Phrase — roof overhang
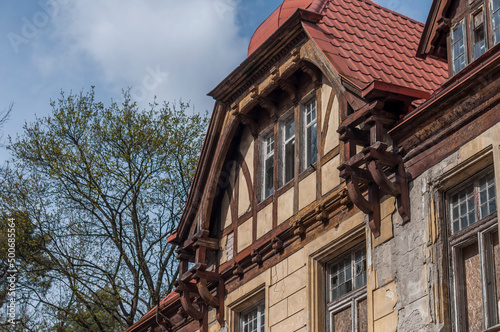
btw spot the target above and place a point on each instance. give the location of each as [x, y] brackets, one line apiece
[436, 25]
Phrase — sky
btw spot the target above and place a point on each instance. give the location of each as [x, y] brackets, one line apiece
[174, 50]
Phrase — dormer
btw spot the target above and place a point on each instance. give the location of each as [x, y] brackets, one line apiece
[461, 32]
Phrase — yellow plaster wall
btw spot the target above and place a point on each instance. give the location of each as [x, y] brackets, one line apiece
[246, 149]
[243, 195]
[330, 175]
[244, 235]
[285, 205]
[307, 191]
[264, 220]
[332, 137]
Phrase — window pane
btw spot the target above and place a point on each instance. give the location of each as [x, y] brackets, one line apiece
[342, 321]
[495, 13]
[462, 209]
[470, 284]
[362, 316]
[496, 267]
[289, 130]
[289, 160]
[312, 148]
[458, 48]
[268, 175]
[253, 320]
[360, 268]
[487, 198]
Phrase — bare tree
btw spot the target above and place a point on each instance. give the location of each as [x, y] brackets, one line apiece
[104, 187]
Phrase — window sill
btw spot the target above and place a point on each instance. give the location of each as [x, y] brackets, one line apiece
[493, 328]
[308, 171]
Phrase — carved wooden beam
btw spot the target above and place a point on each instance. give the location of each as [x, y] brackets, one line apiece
[374, 215]
[404, 198]
[356, 195]
[289, 88]
[256, 257]
[269, 105]
[381, 179]
[187, 302]
[205, 293]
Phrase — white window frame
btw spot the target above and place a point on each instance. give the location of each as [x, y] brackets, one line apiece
[478, 232]
[453, 42]
[306, 125]
[260, 309]
[493, 22]
[284, 142]
[350, 299]
[267, 153]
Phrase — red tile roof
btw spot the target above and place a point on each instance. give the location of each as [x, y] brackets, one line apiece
[366, 43]
[274, 21]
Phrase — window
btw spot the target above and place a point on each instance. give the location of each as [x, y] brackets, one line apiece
[252, 319]
[346, 292]
[458, 47]
[495, 20]
[288, 150]
[475, 252]
[310, 135]
[478, 33]
[268, 165]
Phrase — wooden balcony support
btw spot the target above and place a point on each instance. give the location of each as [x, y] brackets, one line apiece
[374, 167]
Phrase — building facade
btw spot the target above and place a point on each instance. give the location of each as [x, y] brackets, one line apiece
[348, 177]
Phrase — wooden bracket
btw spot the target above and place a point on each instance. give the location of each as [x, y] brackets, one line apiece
[269, 105]
[298, 227]
[374, 166]
[256, 257]
[321, 214]
[289, 88]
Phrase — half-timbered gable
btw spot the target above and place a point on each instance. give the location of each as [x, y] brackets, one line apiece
[347, 180]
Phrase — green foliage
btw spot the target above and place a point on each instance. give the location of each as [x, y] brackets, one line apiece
[104, 187]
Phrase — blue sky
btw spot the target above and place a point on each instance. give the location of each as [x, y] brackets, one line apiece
[170, 49]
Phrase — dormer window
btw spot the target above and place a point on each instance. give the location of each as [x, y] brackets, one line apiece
[478, 33]
[495, 20]
[458, 47]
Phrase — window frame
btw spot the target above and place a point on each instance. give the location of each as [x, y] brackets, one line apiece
[473, 15]
[493, 29]
[305, 153]
[462, 23]
[478, 233]
[264, 157]
[283, 141]
[260, 307]
[350, 299]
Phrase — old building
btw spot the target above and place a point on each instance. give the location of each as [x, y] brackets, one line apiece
[347, 180]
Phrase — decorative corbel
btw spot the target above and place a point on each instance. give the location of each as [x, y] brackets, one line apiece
[345, 200]
[256, 257]
[187, 302]
[313, 72]
[250, 123]
[237, 270]
[298, 227]
[269, 106]
[321, 214]
[289, 88]
[277, 245]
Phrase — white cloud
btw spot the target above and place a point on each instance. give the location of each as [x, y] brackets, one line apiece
[172, 49]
